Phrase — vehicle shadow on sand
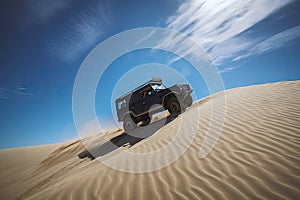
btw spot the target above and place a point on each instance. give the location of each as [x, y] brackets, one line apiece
[126, 139]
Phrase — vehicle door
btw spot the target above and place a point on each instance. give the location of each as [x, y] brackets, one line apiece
[136, 105]
[151, 100]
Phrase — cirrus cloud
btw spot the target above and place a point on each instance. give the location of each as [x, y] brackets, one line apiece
[82, 32]
[219, 26]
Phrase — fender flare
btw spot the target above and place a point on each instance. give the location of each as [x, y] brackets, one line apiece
[127, 113]
[169, 94]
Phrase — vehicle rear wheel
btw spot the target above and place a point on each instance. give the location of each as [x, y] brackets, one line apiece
[173, 106]
[188, 101]
[128, 124]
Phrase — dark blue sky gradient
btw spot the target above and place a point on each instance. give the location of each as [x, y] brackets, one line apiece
[43, 46]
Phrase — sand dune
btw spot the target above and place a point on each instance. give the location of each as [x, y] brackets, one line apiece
[256, 157]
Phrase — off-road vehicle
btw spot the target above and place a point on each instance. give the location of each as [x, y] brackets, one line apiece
[151, 97]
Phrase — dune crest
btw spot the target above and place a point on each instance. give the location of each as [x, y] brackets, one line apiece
[256, 157]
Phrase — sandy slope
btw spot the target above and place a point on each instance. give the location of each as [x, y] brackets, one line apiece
[256, 157]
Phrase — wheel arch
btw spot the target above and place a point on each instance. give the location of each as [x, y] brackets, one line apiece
[130, 113]
[168, 96]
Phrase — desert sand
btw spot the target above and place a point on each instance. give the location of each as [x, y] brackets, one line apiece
[257, 156]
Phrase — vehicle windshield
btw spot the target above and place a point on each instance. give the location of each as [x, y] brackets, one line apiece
[158, 87]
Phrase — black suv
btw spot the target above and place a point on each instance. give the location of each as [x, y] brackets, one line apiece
[150, 98]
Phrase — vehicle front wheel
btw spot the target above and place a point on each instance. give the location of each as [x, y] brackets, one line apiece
[128, 124]
[173, 106]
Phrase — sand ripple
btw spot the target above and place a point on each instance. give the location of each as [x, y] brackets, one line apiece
[256, 157]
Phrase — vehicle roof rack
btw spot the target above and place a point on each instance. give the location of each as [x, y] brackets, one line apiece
[153, 80]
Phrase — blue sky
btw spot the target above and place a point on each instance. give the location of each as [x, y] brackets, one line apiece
[44, 43]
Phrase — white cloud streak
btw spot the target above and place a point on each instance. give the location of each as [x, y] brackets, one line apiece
[228, 69]
[41, 11]
[274, 42]
[82, 27]
[10, 94]
[218, 25]
[83, 31]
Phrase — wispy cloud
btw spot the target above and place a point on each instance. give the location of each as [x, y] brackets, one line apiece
[228, 69]
[274, 42]
[218, 26]
[10, 94]
[83, 31]
[41, 11]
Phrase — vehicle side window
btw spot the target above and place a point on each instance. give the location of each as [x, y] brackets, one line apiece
[146, 92]
[121, 104]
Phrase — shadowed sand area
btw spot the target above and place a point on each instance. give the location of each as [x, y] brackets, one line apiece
[256, 157]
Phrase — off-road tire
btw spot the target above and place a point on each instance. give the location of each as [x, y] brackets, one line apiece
[173, 106]
[128, 124]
